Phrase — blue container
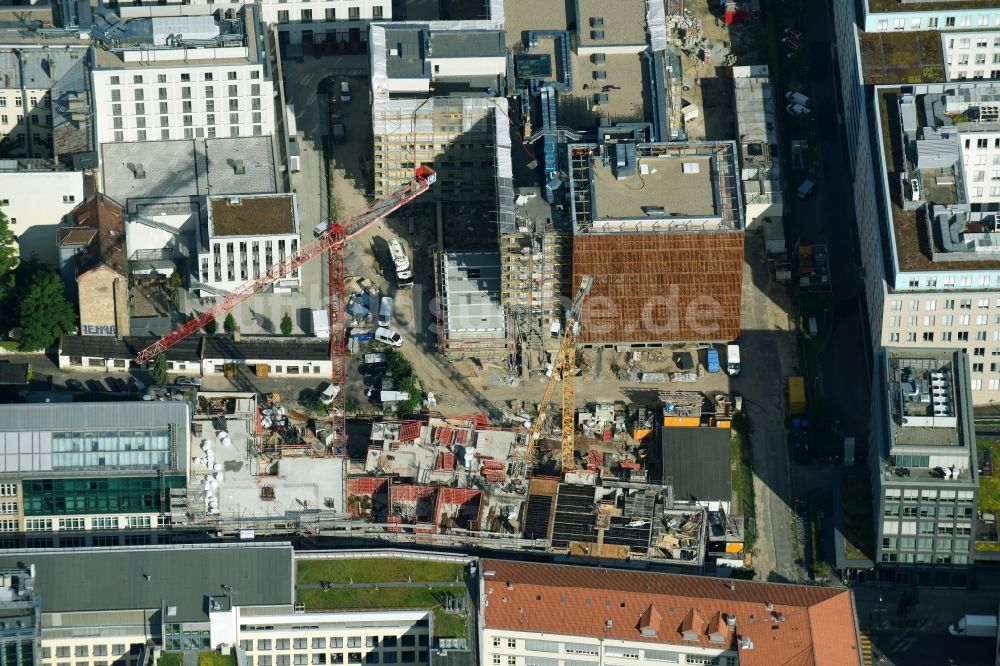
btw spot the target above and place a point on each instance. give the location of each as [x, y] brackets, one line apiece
[713, 360]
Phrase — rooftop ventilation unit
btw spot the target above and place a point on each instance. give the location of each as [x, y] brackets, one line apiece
[239, 167]
[137, 170]
[234, 201]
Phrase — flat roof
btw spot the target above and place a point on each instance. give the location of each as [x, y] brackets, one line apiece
[471, 293]
[666, 185]
[924, 398]
[188, 167]
[295, 483]
[916, 241]
[37, 68]
[918, 6]
[622, 22]
[252, 215]
[77, 580]
[697, 462]
[467, 44]
[521, 16]
[405, 46]
[624, 90]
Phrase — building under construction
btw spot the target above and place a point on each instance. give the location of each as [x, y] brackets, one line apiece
[433, 103]
[660, 228]
[535, 265]
[471, 321]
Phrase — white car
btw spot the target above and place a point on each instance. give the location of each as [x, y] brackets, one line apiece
[797, 110]
[388, 336]
[188, 381]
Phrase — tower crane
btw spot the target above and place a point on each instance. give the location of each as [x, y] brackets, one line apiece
[564, 364]
[332, 240]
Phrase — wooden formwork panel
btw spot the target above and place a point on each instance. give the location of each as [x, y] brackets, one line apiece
[660, 288]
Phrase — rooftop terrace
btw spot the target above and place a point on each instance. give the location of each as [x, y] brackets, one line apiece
[901, 57]
[253, 216]
[934, 159]
[911, 6]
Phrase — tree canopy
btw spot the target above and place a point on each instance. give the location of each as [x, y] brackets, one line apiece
[45, 312]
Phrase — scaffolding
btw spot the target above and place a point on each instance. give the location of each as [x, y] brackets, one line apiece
[456, 136]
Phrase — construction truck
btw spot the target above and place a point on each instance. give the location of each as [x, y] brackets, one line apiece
[404, 274]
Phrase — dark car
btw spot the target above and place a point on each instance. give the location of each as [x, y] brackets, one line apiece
[117, 385]
[75, 385]
[95, 386]
[372, 368]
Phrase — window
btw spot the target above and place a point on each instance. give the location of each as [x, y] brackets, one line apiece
[377, 11]
[977, 384]
[331, 14]
[353, 13]
[307, 16]
[977, 367]
[231, 76]
[963, 336]
[263, 643]
[283, 16]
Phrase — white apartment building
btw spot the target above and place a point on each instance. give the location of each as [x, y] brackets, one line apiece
[546, 615]
[971, 55]
[893, 15]
[35, 199]
[246, 235]
[152, 85]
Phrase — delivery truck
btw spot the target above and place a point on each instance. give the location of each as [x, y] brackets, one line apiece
[321, 323]
[797, 395]
[733, 360]
[975, 626]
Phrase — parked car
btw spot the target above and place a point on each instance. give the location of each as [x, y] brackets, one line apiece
[388, 336]
[797, 98]
[794, 33]
[797, 110]
[75, 385]
[188, 381]
[345, 92]
[95, 386]
[385, 309]
[806, 188]
[137, 385]
[791, 43]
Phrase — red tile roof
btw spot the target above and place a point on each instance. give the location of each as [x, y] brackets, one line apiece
[806, 625]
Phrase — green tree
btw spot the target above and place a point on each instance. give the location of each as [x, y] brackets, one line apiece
[211, 326]
[45, 312]
[8, 261]
[397, 365]
[229, 325]
[158, 370]
[286, 325]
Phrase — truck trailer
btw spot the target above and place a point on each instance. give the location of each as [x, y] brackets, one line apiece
[733, 360]
[975, 626]
[404, 274]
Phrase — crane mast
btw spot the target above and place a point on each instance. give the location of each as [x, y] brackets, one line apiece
[564, 363]
[332, 240]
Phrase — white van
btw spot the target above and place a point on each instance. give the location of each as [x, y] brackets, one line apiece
[329, 393]
[385, 311]
[345, 92]
[389, 337]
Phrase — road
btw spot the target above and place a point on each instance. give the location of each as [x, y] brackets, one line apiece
[769, 355]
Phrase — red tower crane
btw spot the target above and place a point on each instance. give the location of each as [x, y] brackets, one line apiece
[332, 241]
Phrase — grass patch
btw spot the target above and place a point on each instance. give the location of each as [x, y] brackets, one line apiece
[10, 345]
[377, 570]
[989, 489]
[215, 659]
[741, 458]
[859, 530]
[170, 659]
[989, 486]
[445, 624]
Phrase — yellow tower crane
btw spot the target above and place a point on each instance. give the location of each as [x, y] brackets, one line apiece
[563, 364]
